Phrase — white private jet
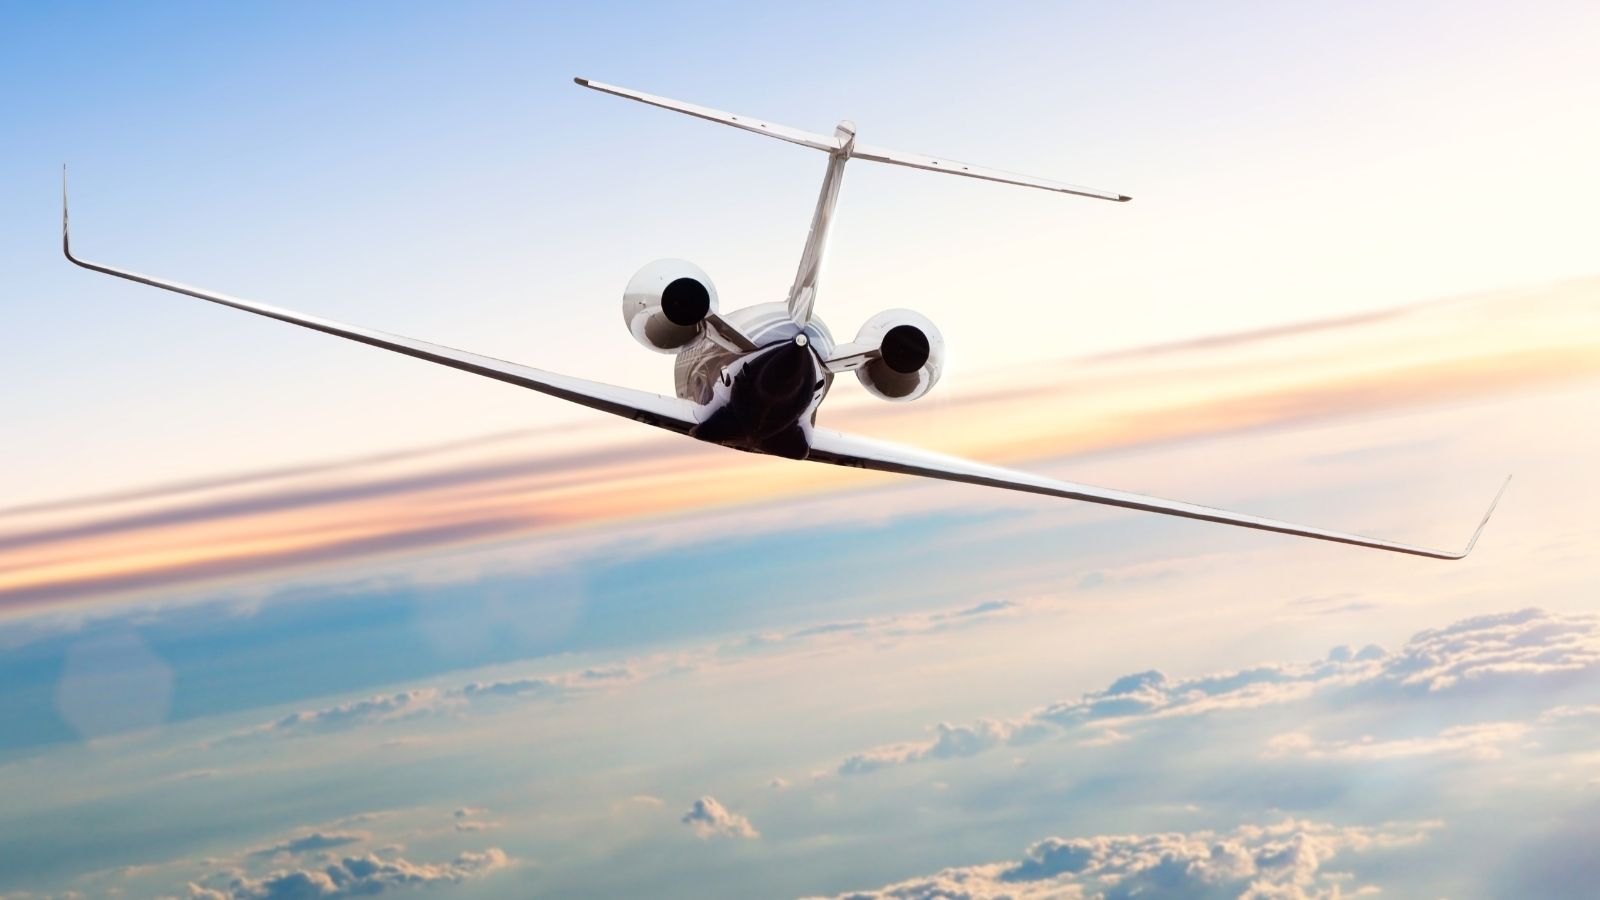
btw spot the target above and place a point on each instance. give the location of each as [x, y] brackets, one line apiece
[752, 379]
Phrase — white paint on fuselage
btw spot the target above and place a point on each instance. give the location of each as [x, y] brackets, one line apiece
[701, 363]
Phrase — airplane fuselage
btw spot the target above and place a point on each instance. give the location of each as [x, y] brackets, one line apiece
[765, 400]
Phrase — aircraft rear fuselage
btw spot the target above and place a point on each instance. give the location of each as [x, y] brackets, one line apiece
[766, 401]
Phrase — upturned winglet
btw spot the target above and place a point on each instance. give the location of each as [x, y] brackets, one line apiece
[1481, 525]
[66, 236]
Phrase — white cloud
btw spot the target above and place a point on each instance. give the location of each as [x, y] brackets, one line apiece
[711, 819]
[1286, 860]
[419, 702]
[546, 686]
[1569, 713]
[1482, 741]
[314, 841]
[352, 876]
[949, 742]
[382, 708]
[1500, 647]
[879, 628]
[472, 818]
[1477, 653]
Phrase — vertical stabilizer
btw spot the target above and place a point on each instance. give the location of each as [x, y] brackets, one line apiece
[840, 147]
[803, 294]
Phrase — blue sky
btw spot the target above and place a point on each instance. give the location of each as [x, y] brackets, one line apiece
[634, 666]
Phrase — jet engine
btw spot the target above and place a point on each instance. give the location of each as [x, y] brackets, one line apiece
[910, 354]
[665, 303]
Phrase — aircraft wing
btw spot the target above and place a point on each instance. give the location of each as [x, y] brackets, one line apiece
[670, 413]
[865, 453]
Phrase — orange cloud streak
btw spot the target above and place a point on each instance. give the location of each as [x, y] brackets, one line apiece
[253, 525]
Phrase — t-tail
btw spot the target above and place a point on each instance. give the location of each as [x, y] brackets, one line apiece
[842, 146]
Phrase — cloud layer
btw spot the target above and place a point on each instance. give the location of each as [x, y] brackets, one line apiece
[350, 876]
[418, 702]
[1287, 860]
[1484, 653]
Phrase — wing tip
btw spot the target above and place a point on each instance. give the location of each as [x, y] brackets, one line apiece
[578, 79]
[1484, 523]
[1123, 198]
[66, 231]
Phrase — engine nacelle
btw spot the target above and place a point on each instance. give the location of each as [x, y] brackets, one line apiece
[665, 303]
[910, 354]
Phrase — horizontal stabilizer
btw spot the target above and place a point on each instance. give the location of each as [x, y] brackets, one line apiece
[935, 164]
[841, 144]
[781, 132]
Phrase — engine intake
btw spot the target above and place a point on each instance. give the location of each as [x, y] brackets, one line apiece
[665, 302]
[910, 355]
